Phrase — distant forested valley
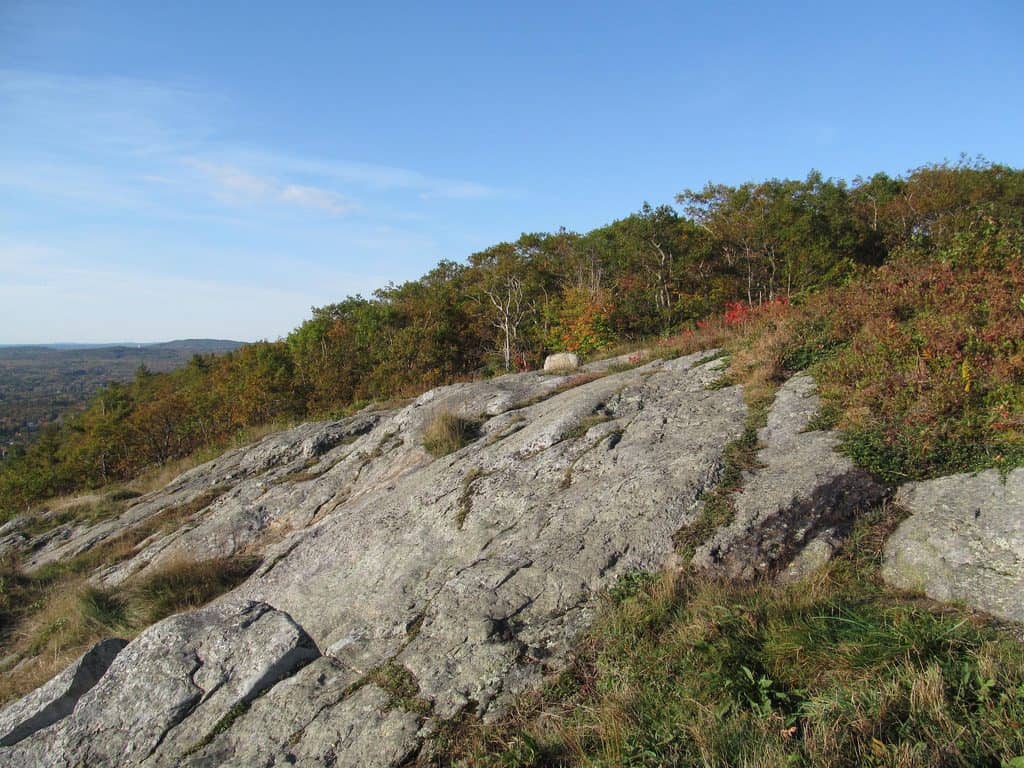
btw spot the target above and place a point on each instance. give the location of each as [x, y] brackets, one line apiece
[41, 383]
[827, 255]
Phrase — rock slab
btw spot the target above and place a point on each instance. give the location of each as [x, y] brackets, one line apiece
[803, 493]
[964, 541]
[399, 590]
[169, 688]
[57, 699]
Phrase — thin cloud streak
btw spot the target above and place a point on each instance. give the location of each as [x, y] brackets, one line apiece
[238, 186]
[153, 219]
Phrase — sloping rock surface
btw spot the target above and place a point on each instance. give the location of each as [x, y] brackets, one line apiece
[964, 541]
[397, 589]
[804, 492]
[170, 687]
[57, 699]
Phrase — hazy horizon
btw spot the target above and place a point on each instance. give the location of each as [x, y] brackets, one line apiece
[79, 344]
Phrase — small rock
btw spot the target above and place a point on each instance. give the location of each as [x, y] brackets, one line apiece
[563, 361]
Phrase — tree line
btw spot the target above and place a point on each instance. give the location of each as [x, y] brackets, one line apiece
[655, 272]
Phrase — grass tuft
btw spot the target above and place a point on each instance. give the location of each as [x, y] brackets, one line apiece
[185, 584]
[447, 432]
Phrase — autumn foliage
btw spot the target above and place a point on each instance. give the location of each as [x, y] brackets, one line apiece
[904, 294]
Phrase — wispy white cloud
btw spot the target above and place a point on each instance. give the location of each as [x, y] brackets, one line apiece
[314, 197]
[136, 130]
[380, 177]
[237, 186]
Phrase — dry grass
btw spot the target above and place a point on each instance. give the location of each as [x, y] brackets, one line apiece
[51, 616]
[61, 618]
[448, 431]
[466, 495]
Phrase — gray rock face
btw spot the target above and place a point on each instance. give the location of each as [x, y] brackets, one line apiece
[495, 553]
[804, 490]
[170, 687]
[398, 590]
[230, 519]
[964, 541]
[316, 718]
[467, 577]
[57, 699]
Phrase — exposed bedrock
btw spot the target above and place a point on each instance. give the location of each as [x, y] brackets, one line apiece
[398, 589]
[963, 542]
[797, 503]
[169, 689]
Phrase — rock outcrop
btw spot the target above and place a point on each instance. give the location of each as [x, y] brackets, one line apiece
[797, 503]
[58, 698]
[964, 541]
[171, 688]
[397, 590]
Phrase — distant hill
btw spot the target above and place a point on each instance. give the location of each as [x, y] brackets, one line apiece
[39, 382]
[191, 345]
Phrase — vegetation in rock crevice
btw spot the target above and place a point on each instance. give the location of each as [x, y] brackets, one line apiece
[447, 432]
[739, 456]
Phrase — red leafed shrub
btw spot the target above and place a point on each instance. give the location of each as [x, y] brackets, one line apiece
[736, 312]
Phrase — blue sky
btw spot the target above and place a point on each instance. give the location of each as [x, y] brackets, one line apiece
[215, 168]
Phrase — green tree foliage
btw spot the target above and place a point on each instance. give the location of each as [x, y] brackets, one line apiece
[648, 274]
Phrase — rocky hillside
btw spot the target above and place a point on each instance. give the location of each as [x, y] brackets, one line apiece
[400, 588]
